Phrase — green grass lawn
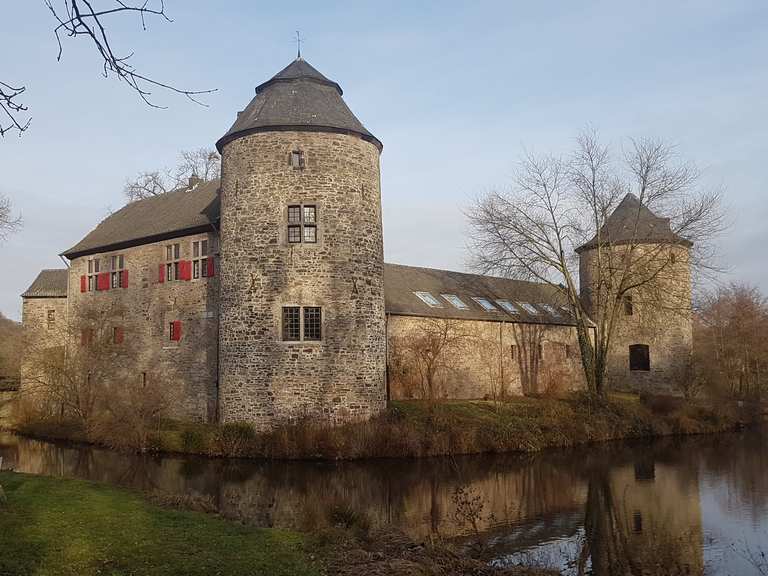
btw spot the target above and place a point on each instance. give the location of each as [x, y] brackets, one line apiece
[69, 527]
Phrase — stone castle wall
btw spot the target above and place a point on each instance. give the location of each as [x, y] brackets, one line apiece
[264, 379]
[485, 359]
[661, 319]
[186, 369]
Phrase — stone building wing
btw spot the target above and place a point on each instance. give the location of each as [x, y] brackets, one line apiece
[179, 213]
[49, 284]
[297, 98]
[532, 303]
[632, 222]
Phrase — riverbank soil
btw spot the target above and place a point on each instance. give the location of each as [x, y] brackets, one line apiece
[58, 527]
[54, 527]
[419, 429]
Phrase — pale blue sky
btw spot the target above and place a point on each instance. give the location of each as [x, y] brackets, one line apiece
[453, 90]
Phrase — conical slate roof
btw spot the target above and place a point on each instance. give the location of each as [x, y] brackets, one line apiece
[632, 222]
[297, 98]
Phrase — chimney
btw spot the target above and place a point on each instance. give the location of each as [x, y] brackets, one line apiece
[194, 180]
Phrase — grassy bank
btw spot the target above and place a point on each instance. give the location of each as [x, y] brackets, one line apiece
[58, 527]
[418, 429]
[68, 527]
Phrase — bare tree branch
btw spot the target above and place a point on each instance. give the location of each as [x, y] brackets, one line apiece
[203, 164]
[8, 222]
[79, 18]
[12, 110]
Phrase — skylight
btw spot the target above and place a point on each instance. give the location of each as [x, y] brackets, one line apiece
[429, 300]
[456, 301]
[508, 306]
[551, 309]
[529, 308]
[485, 303]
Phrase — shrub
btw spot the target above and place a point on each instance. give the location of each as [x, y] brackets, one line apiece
[234, 438]
[193, 441]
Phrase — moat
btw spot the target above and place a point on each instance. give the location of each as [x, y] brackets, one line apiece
[674, 505]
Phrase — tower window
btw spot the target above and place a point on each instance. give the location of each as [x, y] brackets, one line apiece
[51, 318]
[294, 330]
[312, 323]
[297, 159]
[639, 357]
[570, 352]
[629, 308]
[302, 224]
[673, 258]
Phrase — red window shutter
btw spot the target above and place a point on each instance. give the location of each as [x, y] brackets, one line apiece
[102, 282]
[185, 269]
[176, 336]
[125, 278]
[211, 267]
[83, 284]
[85, 336]
[161, 274]
[119, 335]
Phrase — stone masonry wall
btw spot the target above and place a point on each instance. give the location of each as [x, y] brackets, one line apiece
[264, 379]
[185, 369]
[661, 319]
[485, 361]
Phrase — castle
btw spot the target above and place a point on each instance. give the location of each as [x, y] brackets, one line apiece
[264, 296]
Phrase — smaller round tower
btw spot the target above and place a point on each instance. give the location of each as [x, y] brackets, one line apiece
[302, 327]
[651, 344]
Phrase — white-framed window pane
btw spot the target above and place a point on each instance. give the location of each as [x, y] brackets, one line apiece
[551, 309]
[176, 250]
[456, 301]
[508, 306]
[204, 267]
[169, 252]
[428, 299]
[484, 303]
[204, 248]
[195, 249]
[529, 308]
[196, 269]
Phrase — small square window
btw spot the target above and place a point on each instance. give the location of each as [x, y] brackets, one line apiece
[485, 304]
[428, 299]
[294, 234]
[456, 301]
[291, 324]
[312, 323]
[508, 306]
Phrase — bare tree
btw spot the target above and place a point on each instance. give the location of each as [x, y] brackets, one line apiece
[428, 348]
[559, 204]
[203, 164]
[731, 342]
[80, 18]
[8, 222]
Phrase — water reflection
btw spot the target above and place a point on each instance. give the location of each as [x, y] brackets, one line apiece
[657, 506]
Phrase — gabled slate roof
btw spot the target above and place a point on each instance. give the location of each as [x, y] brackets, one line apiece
[632, 222]
[49, 284]
[297, 98]
[401, 283]
[184, 211]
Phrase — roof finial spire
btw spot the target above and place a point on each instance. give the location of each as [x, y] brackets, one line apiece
[298, 45]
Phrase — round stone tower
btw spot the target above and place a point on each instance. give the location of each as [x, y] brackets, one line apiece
[652, 341]
[302, 329]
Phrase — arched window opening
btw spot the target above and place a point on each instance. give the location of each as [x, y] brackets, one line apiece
[639, 357]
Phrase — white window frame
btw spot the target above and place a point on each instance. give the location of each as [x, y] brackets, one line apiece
[455, 301]
[428, 299]
[508, 307]
[485, 304]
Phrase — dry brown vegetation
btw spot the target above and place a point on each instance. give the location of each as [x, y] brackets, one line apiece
[10, 353]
